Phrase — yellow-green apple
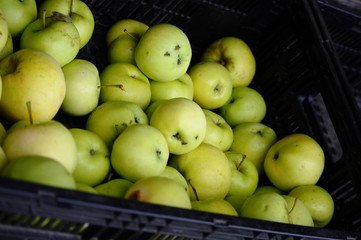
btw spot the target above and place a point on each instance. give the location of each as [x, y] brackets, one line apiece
[49, 139]
[236, 56]
[245, 105]
[206, 170]
[109, 119]
[253, 140]
[163, 52]
[318, 201]
[269, 206]
[57, 37]
[33, 76]
[79, 12]
[174, 174]
[181, 87]
[212, 84]
[124, 82]
[151, 108]
[93, 162]
[8, 48]
[2, 133]
[18, 14]
[218, 132]
[236, 202]
[82, 87]
[3, 159]
[159, 190]
[114, 188]
[183, 123]
[85, 188]
[244, 175]
[298, 213]
[39, 169]
[139, 151]
[4, 31]
[268, 188]
[129, 27]
[294, 160]
[219, 206]
[121, 49]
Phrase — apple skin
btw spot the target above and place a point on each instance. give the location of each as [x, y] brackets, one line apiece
[269, 188]
[212, 84]
[206, 170]
[245, 105]
[181, 87]
[253, 140]
[294, 160]
[39, 169]
[82, 87]
[18, 14]
[139, 151]
[318, 201]
[31, 75]
[93, 157]
[124, 82]
[159, 190]
[218, 132]
[174, 174]
[236, 202]
[8, 48]
[4, 30]
[59, 39]
[81, 16]
[182, 122]
[219, 206]
[114, 188]
[236, 56]
[125, 27]
[269, 206]
[163, 53]
[109, 119]
[2, 133]
[3, 159]
[298, 213]
[244, 175]
[122, 49]
[85, 188]
[49, 139]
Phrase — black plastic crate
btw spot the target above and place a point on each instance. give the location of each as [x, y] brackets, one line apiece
[299, 75]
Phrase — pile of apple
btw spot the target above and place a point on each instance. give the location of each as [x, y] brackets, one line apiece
[157, 129]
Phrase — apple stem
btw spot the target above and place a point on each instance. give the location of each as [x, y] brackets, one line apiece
[193, 188]
[113, 85]
[71, 8]
[293, 206]
[44, 18]
[28, 106]
[133, 35]
[240, 162]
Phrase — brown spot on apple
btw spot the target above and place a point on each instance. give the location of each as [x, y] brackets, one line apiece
[166, 54]
[179, 60]
[92, 152]
[134, 195]
[178, 137]
[276, 156]
[176, 48]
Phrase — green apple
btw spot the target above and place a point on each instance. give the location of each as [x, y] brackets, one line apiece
[33, 76]
[122, 49]
[139, 151]
[80, 14]
[294, 160]
[3, 159]
[269, 206]
[318, 201]
[4, 31]
[219, 206]
[39, 169]
[125, 27]
[245, 105]
[49, 139]
[253, 140]
[244, 175]
[151, 108]
[124, 82]
[298, 213]
[212, 84]
[183, 123]
[85, 188]
[159, 190]
[8, 48]
[218, 132]
[2, 133]
[93, 162]
[163, 52]
[18, 14]
[114, 188]
[181, 87]
[236, 56]
[174, 174]
[268, 188]
[236, 201]
[82, 87]
[206, 170]
[59, 38]
[109, 119]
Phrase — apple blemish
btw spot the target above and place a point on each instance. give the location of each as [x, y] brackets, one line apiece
[134, 195]
[179, 138]
[166, 54]
[176, 48]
